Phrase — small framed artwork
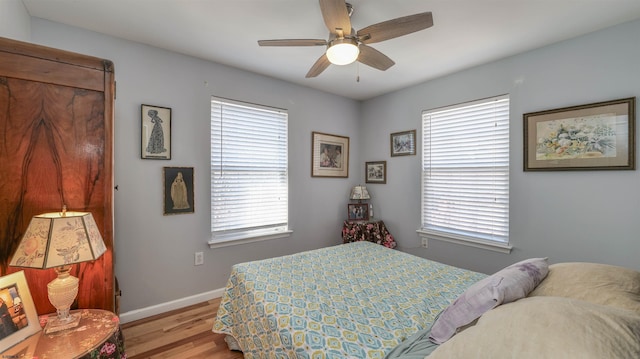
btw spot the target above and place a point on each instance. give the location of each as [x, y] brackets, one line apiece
[329, 155]
[178, 190]
[19, 319]
[156, 132]
[25, 349]
[403, 143]
[358, 211]
[376, 172]
[597, 136]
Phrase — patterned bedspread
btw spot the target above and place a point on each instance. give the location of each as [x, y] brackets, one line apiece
[356, 300]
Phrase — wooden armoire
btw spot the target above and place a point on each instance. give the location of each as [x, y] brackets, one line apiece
[56, 148]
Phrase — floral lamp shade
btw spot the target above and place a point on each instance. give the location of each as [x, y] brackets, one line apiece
[58, 239]
[359, 193]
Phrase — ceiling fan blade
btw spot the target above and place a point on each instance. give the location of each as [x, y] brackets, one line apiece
[336, 16]
[374, 58]
[395, 28]
[293, 42]
[321, 64]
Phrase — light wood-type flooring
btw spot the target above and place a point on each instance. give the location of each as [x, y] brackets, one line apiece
[183, 333]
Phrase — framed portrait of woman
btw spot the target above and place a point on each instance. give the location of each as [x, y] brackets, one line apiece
[156, 132]
[178, 190]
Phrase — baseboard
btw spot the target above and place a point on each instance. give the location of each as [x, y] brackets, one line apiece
[169, 306]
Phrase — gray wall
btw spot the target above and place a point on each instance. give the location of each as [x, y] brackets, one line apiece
[566, 216]
[154, 254]
[14, 20]
[590, 216]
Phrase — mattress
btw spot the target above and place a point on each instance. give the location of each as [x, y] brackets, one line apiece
[355, 300]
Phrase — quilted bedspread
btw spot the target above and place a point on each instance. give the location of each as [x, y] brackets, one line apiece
[356, 300]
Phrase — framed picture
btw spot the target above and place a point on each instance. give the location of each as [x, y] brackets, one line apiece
[597, 136]
[376, 172]
[156, 132]
[178, 190]
[403, 143]
[17, 311]
[329, 155]
[24, 349]
[358, 211]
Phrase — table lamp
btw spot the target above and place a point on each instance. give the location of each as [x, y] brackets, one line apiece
[359, 192]
[58, 240]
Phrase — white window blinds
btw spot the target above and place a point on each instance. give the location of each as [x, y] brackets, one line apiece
[465, 185]
[249, 188]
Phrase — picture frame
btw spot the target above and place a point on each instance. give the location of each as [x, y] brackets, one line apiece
[358, 212]
[25, 349]
[596, 136]
[329, 155]
[376, 172]
[178, 190]
[17, 310]
[403, 143]
[155, 132]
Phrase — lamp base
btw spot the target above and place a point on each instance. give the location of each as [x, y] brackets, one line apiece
[55, 324]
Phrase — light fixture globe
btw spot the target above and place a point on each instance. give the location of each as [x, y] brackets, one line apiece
[343, 51]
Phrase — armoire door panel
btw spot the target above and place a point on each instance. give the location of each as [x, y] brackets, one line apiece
[56, 149]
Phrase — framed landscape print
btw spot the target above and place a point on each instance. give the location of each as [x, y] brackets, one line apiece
[376, 172]
[597, 136]
[156, 132]
[178, 190]
[329, 155]
[18, 315]
[403, 143]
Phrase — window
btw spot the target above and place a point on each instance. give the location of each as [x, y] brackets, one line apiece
[249, 174]
[465, 173]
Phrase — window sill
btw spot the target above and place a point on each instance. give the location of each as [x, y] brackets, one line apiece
[466, 241]
[219, 243]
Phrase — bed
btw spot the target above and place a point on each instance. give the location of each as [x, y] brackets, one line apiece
[362, 300]
[355, 300]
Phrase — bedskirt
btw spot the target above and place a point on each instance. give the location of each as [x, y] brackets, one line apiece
[356, 300]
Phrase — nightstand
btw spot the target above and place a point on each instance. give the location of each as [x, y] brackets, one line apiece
[97, 336]
[371, 231]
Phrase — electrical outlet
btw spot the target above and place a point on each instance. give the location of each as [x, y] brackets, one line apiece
[199, 259]
[425, 243]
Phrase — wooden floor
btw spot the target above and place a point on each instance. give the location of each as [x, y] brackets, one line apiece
[183, 333]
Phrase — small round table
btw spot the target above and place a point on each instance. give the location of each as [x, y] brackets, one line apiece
[97, 336]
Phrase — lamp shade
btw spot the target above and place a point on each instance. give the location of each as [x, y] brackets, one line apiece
[343, 51]
[359, 192]
[58, 239]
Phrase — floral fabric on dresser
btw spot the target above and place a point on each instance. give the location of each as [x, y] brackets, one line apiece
[355, 300]
[375, 232]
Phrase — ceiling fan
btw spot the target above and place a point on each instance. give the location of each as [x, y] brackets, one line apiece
[345, 45]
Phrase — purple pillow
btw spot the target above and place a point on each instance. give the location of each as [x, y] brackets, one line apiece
[507, 285]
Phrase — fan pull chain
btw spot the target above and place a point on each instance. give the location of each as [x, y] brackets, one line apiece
[357, 72]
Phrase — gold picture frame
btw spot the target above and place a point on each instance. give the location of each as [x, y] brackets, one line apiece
[403, 143]
[597, 136]
[329, 155]
[17, 310]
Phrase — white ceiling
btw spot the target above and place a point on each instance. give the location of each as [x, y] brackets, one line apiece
[466, 33]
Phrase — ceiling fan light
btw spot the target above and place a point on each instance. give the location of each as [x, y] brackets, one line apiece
[343, 51]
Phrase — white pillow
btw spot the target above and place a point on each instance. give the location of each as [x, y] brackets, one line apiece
[548, 327]
[592, 282]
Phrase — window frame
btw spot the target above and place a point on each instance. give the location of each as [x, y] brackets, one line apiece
[243, 235]
[427, 232]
